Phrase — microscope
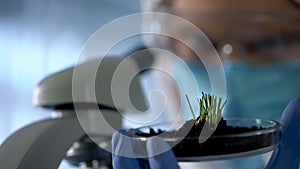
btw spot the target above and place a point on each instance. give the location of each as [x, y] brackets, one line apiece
[88, 101]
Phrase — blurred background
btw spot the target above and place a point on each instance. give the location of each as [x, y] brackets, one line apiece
[39, 37]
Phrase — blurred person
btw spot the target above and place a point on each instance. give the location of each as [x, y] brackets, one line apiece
[258, 42]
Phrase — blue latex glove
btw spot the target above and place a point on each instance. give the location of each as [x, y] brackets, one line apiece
[122, 145]
[286, 156]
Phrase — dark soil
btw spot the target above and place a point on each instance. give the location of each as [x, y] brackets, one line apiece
[216, 144]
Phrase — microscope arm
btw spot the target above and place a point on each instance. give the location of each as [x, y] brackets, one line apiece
[40, 145]
[44, 144]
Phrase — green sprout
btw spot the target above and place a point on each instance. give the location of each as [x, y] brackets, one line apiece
[211, 108]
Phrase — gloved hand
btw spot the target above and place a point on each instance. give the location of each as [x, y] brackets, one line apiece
[122, 145]
[286, 156]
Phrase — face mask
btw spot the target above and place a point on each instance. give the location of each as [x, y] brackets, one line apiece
[261, 91]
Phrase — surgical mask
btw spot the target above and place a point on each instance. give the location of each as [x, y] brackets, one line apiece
[261, 91]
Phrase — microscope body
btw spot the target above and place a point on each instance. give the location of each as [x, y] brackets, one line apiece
[82, 99]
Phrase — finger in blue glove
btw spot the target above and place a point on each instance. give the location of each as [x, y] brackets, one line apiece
[287, 155]
[160, 154]
[122, 152]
